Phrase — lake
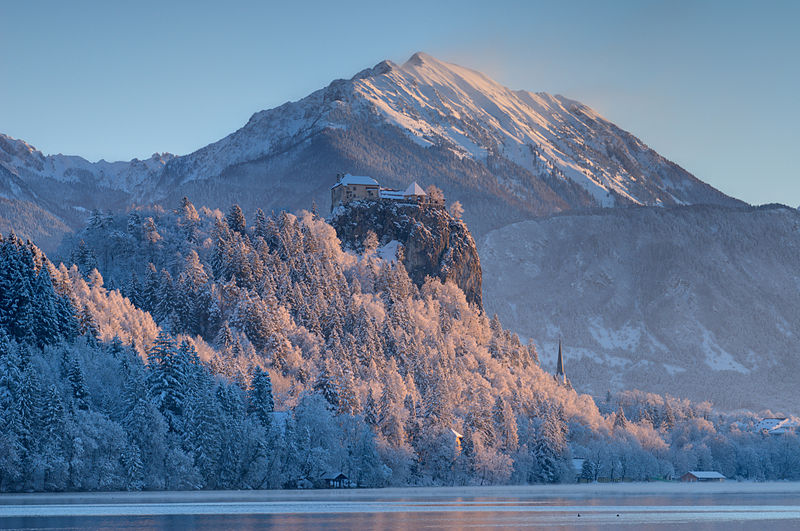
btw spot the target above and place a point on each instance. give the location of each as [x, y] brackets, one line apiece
[728, 506]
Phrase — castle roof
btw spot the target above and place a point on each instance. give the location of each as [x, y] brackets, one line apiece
[388, 193]
[349, 180]
[414, 189]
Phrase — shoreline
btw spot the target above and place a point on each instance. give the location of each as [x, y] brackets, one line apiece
[397, 494]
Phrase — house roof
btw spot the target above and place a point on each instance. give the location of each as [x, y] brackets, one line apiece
[334, 475]
[777, 426]
[349, 180]
[706, 474]
[770, 422]
[414, 189]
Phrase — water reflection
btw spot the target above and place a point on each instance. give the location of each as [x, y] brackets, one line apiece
[411, 509]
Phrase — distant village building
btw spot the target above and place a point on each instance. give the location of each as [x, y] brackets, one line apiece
[777, 426]
[361, 188]
[702, 475]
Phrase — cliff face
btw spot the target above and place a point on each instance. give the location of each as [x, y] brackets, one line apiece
[434, 243]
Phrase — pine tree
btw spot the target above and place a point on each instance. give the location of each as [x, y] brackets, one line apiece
[150, 290]
[168, 378]
[348, 399]
[619, 419]
[133, 291]
[46, 325]
[87, 326]
[77, 382]
[29, 408]
[83, 257]
[669, 416]
[16, 290]
[505, 425]
[236, 220]
[131, 461]
[165, 301]
[589, 470]
[326, 385]
[134, 226]
[188, 220]
[260, 401]
[53, 414]
[150, 233]
[371, 410]
[261, 228]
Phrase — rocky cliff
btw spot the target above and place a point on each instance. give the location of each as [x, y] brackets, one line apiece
[434, 243]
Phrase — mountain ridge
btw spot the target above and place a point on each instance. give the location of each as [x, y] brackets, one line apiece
[508, 155]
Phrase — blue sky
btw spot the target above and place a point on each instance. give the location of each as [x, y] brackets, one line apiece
[711, 85]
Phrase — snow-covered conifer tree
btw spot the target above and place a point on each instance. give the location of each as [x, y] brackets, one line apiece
[259, 396]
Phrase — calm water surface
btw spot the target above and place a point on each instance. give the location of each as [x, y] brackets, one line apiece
[646, 506]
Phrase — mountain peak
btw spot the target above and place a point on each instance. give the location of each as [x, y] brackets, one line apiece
[419, 58]
[424, 60]
[379, 69]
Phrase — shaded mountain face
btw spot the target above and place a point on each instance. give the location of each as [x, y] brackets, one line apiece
[699, 301]
[506, 155]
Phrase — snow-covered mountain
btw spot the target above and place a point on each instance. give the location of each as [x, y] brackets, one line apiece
[26, 161]
[46, 196]
[697, 301]
[506, 155]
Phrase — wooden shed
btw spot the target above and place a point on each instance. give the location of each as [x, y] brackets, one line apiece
[336, 480]
[702, 475]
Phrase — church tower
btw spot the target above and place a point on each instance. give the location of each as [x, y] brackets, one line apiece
[560, 376]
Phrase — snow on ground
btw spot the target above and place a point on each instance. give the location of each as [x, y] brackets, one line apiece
[626, 337]
[388, 252]
[673, 369]
[717, 358]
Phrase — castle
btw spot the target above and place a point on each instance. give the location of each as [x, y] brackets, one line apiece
[357, 188]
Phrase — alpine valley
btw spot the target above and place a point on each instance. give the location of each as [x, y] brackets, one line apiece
[584, 233]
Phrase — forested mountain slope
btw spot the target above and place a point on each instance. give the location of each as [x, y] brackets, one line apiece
[698, 301]
[273, 357]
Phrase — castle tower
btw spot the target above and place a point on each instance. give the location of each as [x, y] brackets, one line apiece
[561, 377]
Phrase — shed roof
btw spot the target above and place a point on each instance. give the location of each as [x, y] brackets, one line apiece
[706, 474]
[335, 474]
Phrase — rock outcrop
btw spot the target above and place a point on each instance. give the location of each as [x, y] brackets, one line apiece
[434, 243]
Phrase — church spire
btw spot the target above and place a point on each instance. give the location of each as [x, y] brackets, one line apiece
[560, 375]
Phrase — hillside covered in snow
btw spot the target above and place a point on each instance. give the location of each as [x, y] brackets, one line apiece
[695, 301]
